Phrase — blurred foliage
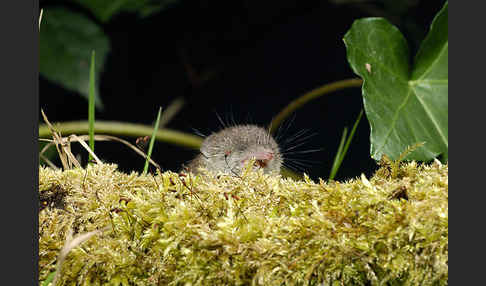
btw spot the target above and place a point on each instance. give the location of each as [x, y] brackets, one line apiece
[105, 10]
[404, 105]
[395, 11]
[66, 41]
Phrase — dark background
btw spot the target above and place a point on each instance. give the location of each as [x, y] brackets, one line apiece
[263, 55]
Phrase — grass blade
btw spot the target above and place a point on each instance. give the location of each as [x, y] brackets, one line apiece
[342, 150]
[351, 135]
[152, 141]
[91, 104]
[40, 17]
[49, 279]
[335, 166]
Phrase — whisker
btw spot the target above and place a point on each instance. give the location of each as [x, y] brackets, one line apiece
[228, 116]
[232, 116]
[304, 160]
[199, 133]
[223, 125]
[297, 144]
[269, 127]
[297, 163]
[301, 168]
[299, 137]
[231, 169]
[303, 151]
[306, 137]
[249, 119]
[293, 147]
[295, 136]
[293, 167]
[284, 127]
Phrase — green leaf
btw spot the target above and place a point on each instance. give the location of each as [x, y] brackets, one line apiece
[105, 10]
[66, 41]
[404, 105]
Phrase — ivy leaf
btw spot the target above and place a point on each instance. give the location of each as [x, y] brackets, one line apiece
[104, 10]
[66, 41]
[404, 104]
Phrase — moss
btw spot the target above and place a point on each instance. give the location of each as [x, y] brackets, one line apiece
[254, 230]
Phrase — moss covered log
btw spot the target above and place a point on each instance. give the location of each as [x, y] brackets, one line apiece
[167, 229]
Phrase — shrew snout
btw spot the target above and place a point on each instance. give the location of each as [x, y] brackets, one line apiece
[262, 158]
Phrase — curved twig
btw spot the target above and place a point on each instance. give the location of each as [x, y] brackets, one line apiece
[315, 93]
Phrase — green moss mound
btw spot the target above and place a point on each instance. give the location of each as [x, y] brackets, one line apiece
[168, 229]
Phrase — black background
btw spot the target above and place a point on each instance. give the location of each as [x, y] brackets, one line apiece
[266, 53]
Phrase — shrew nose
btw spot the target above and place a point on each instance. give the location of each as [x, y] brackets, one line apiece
[263, 158]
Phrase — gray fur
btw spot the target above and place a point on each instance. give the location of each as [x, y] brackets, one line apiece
[227, 151]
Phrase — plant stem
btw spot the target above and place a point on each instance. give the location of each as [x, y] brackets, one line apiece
[124, 129]
[315, 93]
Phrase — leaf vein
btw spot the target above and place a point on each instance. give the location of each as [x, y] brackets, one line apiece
[394, 120]
[427, 111]
[429, 69]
